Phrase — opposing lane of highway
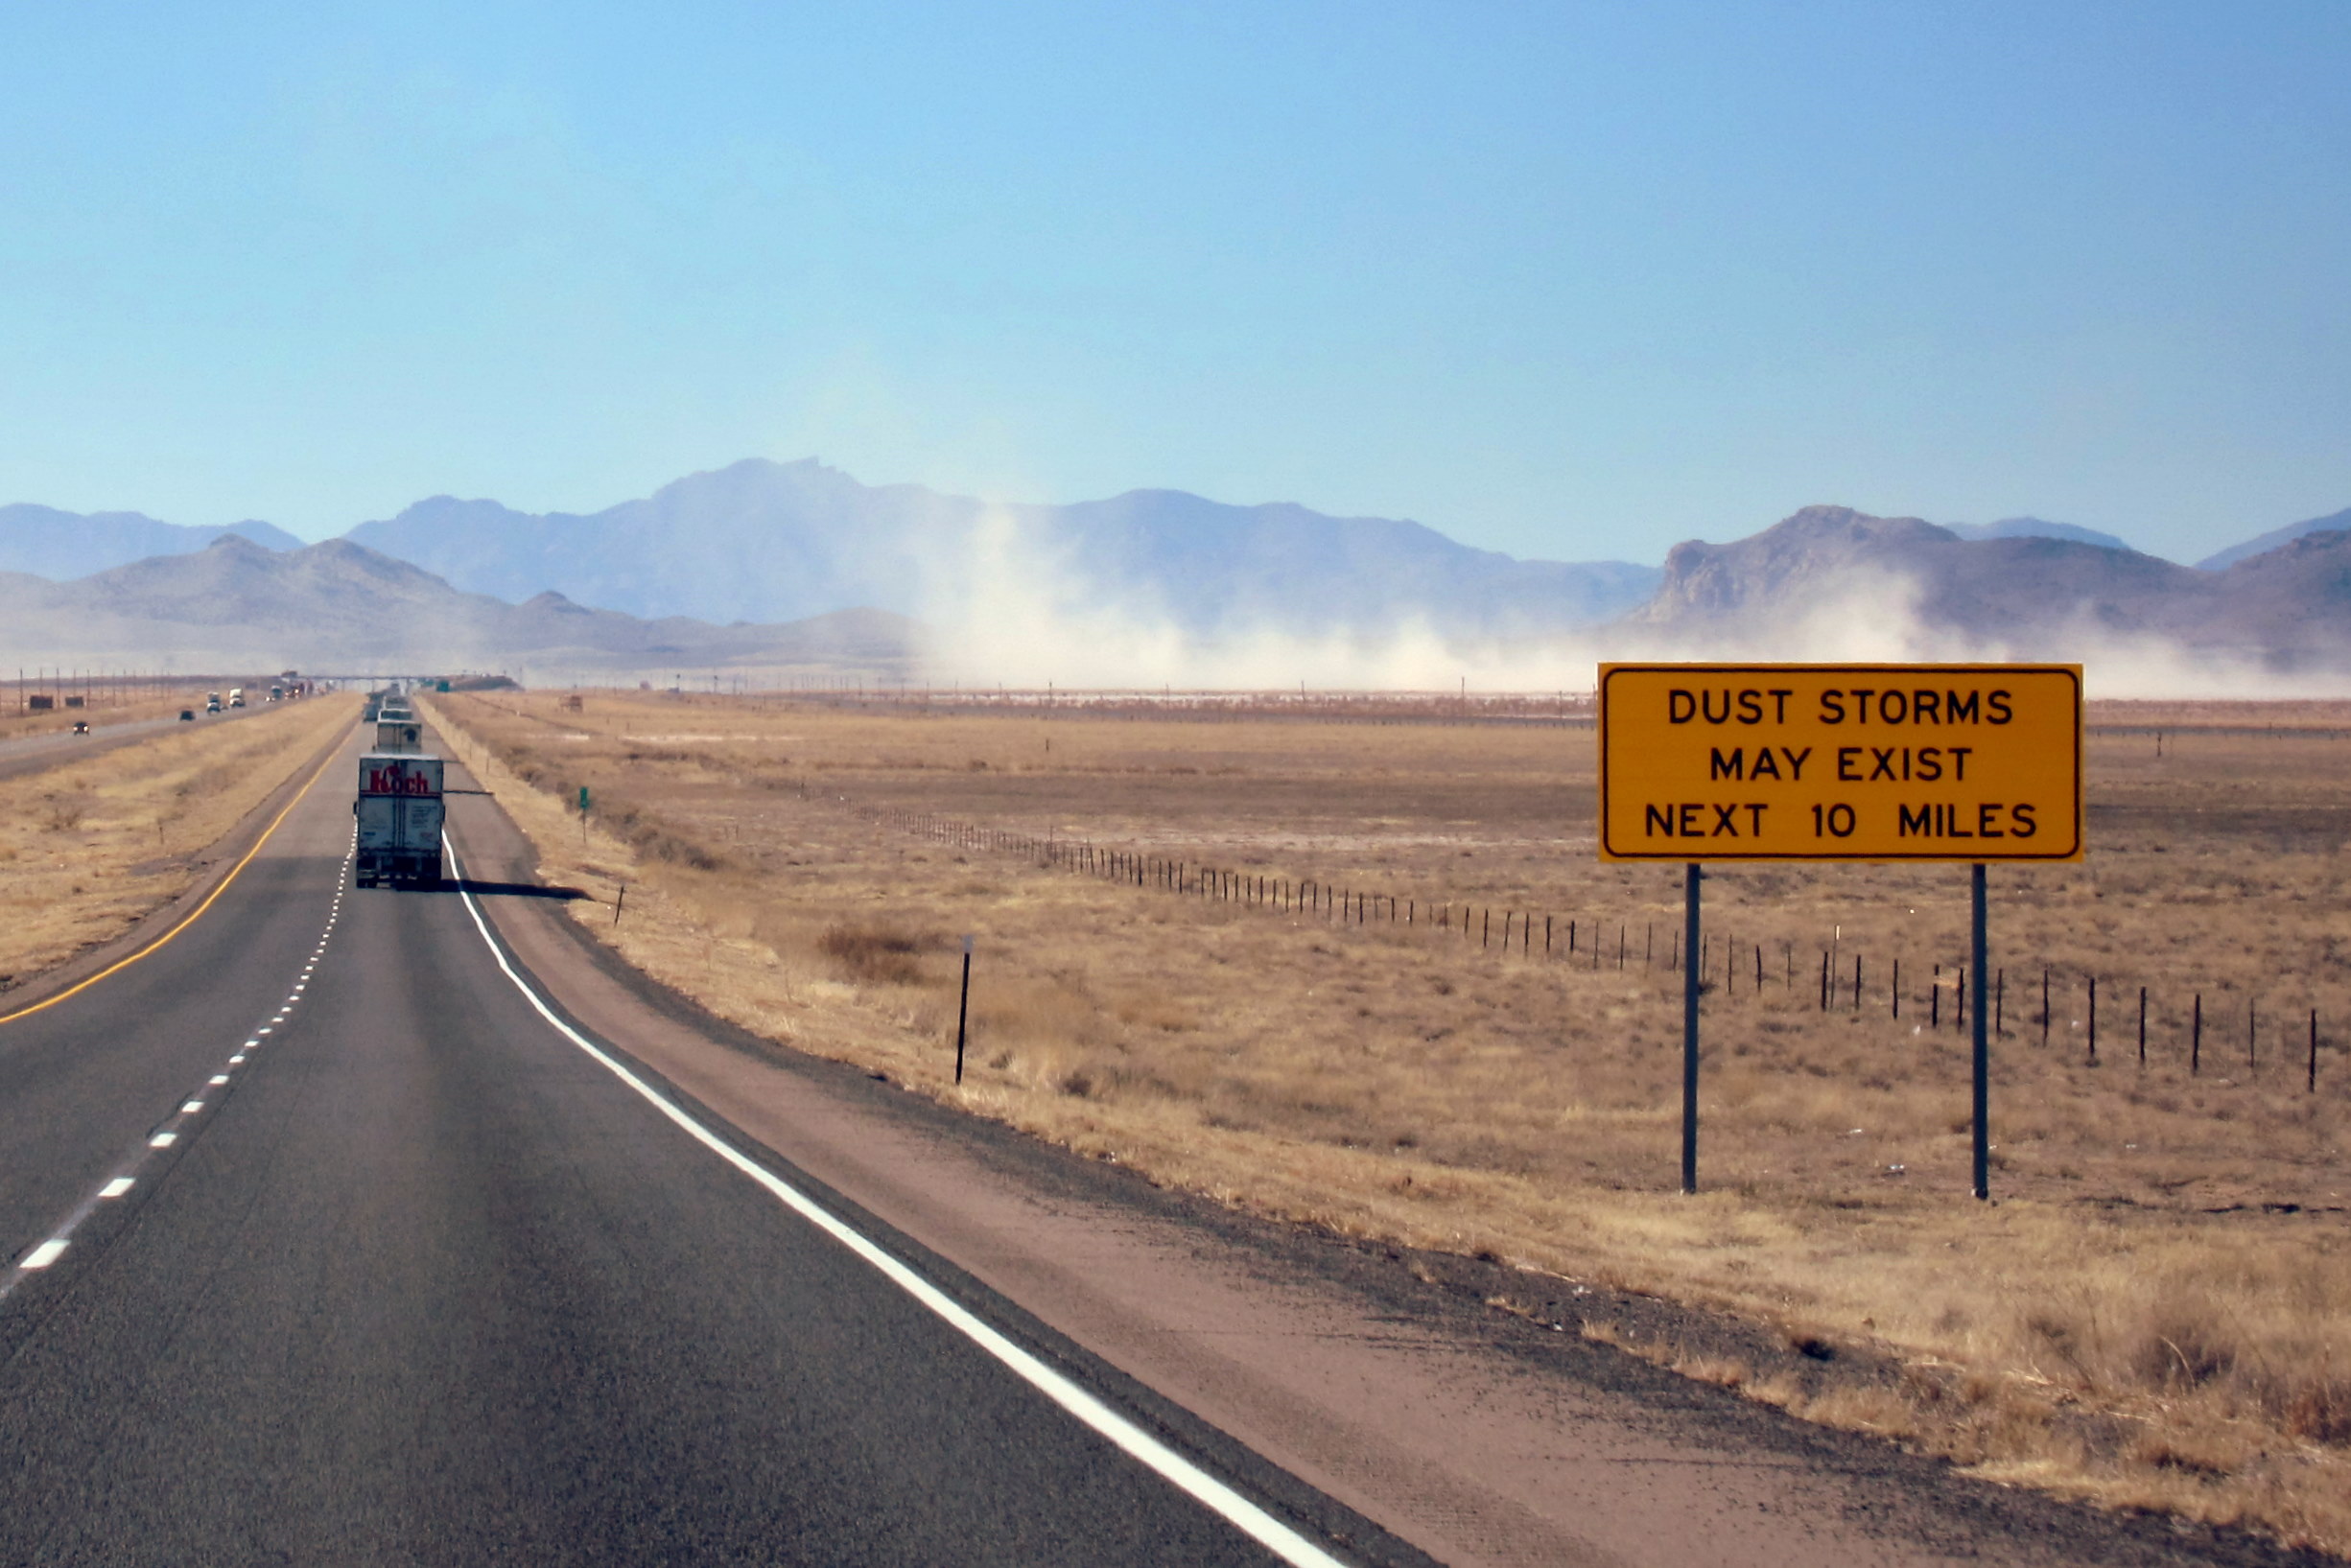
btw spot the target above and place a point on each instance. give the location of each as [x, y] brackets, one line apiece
[36, 753]
[423, 1281]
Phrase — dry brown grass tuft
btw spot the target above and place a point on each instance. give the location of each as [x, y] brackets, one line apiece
[2152, 1316]
[877, 953]
[62, 810]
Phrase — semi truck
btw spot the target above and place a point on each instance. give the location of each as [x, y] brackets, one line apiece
[400, 813]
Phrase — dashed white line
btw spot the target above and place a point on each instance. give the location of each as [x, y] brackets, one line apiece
[50, 1251]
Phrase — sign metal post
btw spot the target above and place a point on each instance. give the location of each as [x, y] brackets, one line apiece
[963, 1007]
[1978, 947]
[1691, 876]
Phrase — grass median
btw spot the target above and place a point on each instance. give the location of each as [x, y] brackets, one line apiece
[90, 847]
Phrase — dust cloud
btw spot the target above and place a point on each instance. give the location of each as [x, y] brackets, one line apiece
[1010, 610]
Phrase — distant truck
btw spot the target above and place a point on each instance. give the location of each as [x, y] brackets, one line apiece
[236, 696]
[399, 734]
[400, 815]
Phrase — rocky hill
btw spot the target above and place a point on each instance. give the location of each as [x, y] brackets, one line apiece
[1797, 586]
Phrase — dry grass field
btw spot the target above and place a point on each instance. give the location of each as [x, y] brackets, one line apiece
[2153, 1314]
[87, 848]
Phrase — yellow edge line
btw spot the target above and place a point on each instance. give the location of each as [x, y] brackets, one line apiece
[193, 915]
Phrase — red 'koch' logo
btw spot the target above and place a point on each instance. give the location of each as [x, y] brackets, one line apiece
[397, 780]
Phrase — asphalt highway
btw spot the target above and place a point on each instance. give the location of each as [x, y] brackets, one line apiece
[333, 1242]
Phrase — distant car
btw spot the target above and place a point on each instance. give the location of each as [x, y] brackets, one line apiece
[82, 726]
[187, 715]
[213, 707]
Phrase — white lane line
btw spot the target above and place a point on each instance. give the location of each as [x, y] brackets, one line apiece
[192, 1108]
[237, 1060]
[41, 1256]
[1189, 1477]
[163, 1140]
[219, 1078]
[116, 1187]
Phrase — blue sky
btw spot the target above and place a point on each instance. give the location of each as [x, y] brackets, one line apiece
[1563, 280]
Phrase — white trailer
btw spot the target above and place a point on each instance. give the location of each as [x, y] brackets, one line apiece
[400, 814]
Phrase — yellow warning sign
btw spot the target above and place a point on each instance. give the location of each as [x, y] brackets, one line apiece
[1840, 762]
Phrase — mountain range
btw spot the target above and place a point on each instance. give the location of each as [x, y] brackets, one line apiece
[764, 541]
[340, 607]
[809, 570]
